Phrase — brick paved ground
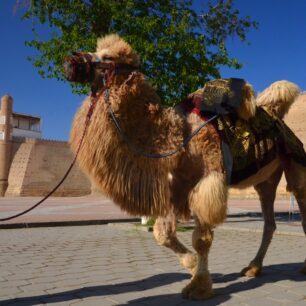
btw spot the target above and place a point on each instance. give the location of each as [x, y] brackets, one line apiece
[112, 265]
[97, 208]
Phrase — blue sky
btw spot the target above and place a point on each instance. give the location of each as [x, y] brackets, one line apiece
[277, 51]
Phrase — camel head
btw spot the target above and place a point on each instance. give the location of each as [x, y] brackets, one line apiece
[113, 48]
[112, 54]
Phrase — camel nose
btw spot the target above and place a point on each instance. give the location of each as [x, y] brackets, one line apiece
[79, 68]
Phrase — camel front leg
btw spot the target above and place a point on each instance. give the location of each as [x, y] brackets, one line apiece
[165, 233]
[208, 201]
[200, 286]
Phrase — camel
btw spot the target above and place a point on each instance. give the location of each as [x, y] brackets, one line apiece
[195, 180]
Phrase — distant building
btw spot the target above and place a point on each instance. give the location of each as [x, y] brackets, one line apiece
[26, 126]
[30, 165]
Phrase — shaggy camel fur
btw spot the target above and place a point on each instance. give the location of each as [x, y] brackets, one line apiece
[193, 180]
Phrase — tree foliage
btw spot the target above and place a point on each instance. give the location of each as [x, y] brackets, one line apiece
[179, 47]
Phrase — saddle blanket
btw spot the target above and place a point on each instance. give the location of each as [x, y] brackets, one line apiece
[252, 144]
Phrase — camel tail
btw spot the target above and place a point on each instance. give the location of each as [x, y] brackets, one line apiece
[278, 97]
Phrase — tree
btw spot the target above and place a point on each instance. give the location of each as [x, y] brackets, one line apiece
[179, 47]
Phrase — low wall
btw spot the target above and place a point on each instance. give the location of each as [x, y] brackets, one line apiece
[37, 167]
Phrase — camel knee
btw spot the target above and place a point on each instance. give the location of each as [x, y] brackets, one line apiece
[208, 200]
[164, 231]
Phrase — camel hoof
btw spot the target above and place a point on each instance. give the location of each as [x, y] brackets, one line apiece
[190, 262]
[200, 288]
[251, 271]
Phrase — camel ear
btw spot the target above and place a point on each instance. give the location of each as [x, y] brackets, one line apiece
[128, 56]
[124, 51]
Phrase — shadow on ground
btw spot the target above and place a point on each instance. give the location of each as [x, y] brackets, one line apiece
[232, 283]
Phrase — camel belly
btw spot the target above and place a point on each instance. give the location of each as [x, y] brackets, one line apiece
[259, 177]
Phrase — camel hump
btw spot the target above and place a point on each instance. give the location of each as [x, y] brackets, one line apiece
[278, 97]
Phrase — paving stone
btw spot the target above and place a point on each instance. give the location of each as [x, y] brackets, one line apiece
[23, 302]
[286, 283]
[264, 302]
[36, 287]
[251, 294]
[10, 291]
[285, 296]
[301, 290]
[14, 283]
[95, 302]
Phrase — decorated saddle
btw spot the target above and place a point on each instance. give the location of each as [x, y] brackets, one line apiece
[256, 142]
[252, 143]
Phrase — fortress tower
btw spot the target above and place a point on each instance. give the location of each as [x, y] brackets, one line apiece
[5, 141]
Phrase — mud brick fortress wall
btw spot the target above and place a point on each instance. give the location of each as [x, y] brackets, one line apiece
[38, 165]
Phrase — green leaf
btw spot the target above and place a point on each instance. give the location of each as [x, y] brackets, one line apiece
[179, 47]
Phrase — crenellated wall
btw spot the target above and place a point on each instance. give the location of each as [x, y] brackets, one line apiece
[37, 167]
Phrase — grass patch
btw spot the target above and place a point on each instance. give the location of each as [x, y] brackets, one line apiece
[149, 227]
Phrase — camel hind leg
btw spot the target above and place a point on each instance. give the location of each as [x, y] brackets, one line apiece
[296, 179]
[267, 192]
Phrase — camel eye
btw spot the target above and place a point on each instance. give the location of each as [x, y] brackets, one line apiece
[107, 58]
